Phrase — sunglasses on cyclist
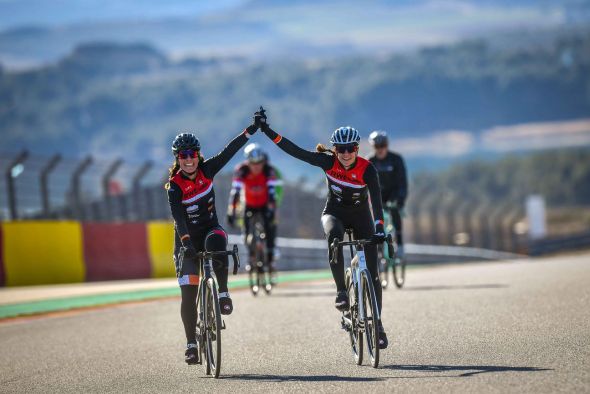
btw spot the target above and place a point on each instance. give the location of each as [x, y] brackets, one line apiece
[189, 153]
[350, 148]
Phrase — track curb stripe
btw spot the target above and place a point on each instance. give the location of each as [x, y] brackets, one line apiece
[63, 304]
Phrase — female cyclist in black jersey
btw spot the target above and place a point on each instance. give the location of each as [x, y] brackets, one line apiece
[351, 180]
[192, 203]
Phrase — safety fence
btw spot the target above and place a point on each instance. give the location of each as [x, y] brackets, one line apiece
[45, 187]
[46, 252]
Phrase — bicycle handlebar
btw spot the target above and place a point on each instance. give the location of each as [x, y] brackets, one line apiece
[337, 245]
[233, 253]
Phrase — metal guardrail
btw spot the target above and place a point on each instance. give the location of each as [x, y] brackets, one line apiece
[54, 187]
[299, 253]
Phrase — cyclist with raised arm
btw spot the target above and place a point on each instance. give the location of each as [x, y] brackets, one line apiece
[192, 203]
[393, 180]
[258, 180]
[352, 181]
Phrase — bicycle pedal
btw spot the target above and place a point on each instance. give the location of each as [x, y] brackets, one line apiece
[223, 324]
[344, 326]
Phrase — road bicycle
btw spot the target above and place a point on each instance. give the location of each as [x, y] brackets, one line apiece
[362, 318]
[209, 321]
[259, 270]
[391, 262]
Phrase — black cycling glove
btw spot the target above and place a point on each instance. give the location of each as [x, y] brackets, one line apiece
[188, 251]
[231, 220]
[379, 236]
[260, 118]
[251, 129]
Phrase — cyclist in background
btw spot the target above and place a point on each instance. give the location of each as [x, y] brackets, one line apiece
[192, 203]
[352, 181]
[258, 179]
[393, 179]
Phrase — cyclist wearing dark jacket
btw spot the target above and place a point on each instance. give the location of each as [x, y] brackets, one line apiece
[393, 180]
[352, 180]
[196, 228]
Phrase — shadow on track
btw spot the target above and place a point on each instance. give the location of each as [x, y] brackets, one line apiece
[469, 370]
[456, 287]
[300, 378]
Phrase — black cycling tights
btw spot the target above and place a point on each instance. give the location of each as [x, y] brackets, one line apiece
[363, 228]
[188, 306]
[397, 224]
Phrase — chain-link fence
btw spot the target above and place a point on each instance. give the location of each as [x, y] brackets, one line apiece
[90, 189]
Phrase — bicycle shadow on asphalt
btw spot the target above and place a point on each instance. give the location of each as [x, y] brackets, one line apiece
[456, 287]
[468, 370]
[300, 378]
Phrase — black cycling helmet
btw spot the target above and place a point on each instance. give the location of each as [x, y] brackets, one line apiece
[378, 138]
[345, 135]
[184, 141]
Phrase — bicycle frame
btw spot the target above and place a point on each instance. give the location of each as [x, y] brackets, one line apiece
[356, 320]
[359, 268]
[206, 273]
[206, 270]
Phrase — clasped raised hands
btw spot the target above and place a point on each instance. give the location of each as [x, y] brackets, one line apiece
[260, 119]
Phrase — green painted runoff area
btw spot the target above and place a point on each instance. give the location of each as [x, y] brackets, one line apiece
[62, 304]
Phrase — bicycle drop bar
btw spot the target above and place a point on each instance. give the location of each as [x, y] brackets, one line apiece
[233, 253]
[337, 245]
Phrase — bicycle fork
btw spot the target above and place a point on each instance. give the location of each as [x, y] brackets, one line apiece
[359, 285]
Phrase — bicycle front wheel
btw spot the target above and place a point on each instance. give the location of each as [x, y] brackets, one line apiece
[371, 322]
[212, 328]
[383, 273]
[354, 331]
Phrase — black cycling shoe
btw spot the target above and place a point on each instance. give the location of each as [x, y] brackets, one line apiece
[191, 354]
[225, 304]
[341, 302]
[383, 342]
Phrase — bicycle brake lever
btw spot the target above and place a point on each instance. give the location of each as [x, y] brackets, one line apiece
[390, 245]
[180, 260]
[236, 258]
[335, 250]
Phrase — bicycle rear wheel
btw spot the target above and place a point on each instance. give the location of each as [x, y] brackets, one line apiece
[267, 278]
[356, 335]
[371, 322]
[212, 328]
[399, 271]
[253, 279]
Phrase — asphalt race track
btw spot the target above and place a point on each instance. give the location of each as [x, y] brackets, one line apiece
[487, 327]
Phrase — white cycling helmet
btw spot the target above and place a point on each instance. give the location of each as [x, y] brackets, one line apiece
[254, 154]
[345, 135]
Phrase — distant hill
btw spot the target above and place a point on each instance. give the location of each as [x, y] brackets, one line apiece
[562, 176]
[113, 99]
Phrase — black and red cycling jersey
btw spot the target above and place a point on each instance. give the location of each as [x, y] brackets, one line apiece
[259, 189]
[347, 187]
[192, 202]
